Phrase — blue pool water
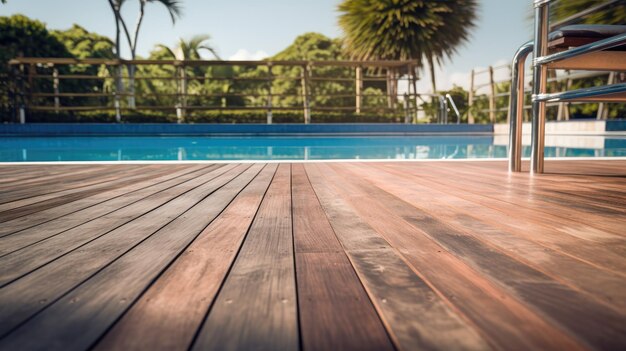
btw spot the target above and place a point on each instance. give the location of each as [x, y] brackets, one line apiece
[152, 148]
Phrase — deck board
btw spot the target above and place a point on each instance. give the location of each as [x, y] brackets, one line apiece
[354, 256]
[335, 311]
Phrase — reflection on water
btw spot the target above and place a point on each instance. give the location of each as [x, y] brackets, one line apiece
[280, 148]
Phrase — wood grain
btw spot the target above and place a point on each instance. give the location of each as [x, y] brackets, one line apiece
[256, 307]
[167, 316]
[398, 293]
[404, 255]
[335, 311]
[33, 292]
[79, 318]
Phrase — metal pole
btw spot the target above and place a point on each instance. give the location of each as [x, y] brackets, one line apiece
[540, 78]
[516, 107]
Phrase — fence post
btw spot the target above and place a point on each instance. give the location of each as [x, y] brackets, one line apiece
[415, 96]
[182, 92]
[32, 70]
[269, 93]
[560, 115]
[18, 93]
[358, 88]
[407, 113]
[118, 89]
[492, 97]
[306, 93]
[470, 102]
[55, 85]
[603, 109]
[21, 113]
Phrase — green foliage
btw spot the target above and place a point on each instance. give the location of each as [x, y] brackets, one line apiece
[405, 29]
[21, 36]
[608, 15]
[313, 47]
[83, 44]
[187, 49]
[158, 116]
[174, 7]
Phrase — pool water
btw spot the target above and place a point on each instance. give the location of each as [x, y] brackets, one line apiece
[159, 148]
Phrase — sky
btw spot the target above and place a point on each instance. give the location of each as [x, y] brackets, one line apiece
[254, 29]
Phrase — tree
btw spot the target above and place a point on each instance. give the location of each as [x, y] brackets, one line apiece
[175, 11]
[83, 44]
[22, 36]
[311, 47]
[406, 29]
[189, 49]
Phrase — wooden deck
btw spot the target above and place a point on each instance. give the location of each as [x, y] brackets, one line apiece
[316, 256]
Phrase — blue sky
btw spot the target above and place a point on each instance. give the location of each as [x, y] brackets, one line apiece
[252, 28]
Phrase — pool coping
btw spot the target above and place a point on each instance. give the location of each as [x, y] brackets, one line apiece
[318, 129]
[501, 159]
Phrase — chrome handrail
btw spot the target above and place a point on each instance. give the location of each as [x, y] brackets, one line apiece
[599, 45]
[541, 60]
[540, 80]
[516, 106]
[581, 94]
[456, 110]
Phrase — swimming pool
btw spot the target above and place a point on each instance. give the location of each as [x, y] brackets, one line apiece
[161, 148]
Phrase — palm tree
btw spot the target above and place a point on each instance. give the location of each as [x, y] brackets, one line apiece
[419, 30]
[173, 7]
[190, 49]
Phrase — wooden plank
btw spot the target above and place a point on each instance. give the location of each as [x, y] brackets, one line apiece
[603, 327]
[565, 237]
[49, 178]
[517, 190]
[417, 317]
[40, 252]
[167, 316]
[33, 292]
[37, 233]
[34, 204]
[11, 174]
[101, 199]
[71, 181]
[464, 215]
[256, 307]
[104, 297]
[335, 311]
[505, 321]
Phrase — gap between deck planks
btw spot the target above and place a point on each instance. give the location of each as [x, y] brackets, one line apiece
[317, 256]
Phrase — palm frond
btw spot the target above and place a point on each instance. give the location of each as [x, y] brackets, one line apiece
[174, 7]
[406, 29]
